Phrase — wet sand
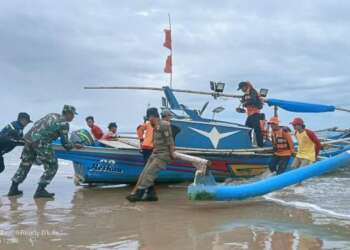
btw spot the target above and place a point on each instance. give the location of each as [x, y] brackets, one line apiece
[101, 218]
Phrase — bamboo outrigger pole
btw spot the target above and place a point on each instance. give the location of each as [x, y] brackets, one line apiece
[214, 94]
[342, 109]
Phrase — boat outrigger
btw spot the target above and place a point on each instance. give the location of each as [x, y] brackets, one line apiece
[229, 146]
[206, 188]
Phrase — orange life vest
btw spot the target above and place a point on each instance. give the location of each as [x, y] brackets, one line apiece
[251, 110]
[145, 134]
[264, 129]
[282, 142]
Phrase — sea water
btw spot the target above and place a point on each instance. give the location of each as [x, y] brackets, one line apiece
[315, 215]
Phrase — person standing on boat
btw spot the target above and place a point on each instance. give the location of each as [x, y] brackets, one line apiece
[112, 132]
[309, 145]
[283, 147]
[163, 153]
[38, 146]
[253, 104]
[12, 136]
[96, 131]
[145, 135]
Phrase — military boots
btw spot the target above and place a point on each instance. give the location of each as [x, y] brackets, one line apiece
[148, 194]
[14, 190]
[41, 192]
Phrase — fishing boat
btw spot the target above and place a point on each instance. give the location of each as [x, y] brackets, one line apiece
[229, 146]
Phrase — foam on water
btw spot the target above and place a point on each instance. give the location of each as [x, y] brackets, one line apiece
[306, 205]
[125, 244]
[327, 195]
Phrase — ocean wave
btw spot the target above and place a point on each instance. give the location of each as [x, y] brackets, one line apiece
[306, 205]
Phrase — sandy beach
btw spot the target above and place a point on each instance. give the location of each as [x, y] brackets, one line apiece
[101, 218]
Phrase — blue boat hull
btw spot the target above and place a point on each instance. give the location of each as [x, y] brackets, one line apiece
[104, 165]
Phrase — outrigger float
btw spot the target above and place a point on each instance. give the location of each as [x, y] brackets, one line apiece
[230, 147]
[206, 188]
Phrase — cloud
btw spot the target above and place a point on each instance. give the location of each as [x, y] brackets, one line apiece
[51, 50]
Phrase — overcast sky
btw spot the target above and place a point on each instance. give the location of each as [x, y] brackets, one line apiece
[50, 50]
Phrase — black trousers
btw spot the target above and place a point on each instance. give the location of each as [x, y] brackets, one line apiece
[6, 145]
[253, 121]
[279, 164]
[146, 154]
[2, 164]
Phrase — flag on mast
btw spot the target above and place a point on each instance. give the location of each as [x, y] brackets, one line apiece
[168, 65]
[167, 43]
[169, 60]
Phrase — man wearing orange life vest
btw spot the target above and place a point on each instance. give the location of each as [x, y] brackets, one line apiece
[283, 147]
[253, 104]
[145, 135]
[309, 145]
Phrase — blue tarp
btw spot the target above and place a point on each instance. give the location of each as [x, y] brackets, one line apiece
[301, 107]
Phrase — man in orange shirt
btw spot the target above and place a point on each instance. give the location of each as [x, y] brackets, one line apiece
[283, 147]
[96, 131]
[145, 135]
[253, 104]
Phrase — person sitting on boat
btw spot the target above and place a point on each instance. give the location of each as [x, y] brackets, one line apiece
[163, 153]
[145, 135]
[309, 145]
[12, 136]
[96, 131]
[112, 132]
[253, 104]
[283, 147]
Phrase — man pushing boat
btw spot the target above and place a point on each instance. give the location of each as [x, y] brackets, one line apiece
[283, 147]
[12, 136]
[309, 145]
[162, 154]
[38, 146]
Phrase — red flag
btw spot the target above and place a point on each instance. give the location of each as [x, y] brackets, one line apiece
[167, 43]
[168, 65]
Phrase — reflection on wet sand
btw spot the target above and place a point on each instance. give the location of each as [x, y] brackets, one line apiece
[101, 218]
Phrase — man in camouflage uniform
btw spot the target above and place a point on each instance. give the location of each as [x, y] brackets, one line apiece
[38, 147]
[162, 154]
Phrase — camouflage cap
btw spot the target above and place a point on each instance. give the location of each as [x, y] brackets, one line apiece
[166, 113]
[69, 108]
